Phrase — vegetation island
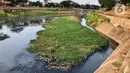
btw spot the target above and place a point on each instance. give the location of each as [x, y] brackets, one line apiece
[65, 42]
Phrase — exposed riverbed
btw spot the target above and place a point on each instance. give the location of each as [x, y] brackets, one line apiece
[14, 39]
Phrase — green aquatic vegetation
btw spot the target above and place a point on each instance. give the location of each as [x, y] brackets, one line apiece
[66, 40]
[2, 14]
[12, 15]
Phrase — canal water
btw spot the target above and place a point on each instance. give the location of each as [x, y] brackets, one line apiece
[14, 39]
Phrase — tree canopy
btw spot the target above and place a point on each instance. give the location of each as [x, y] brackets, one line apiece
[18, 1]
[108, 4]
[37, 3]
[63, 4]
[125, 1]
[46, 1]
[50, 4]
[69, 3]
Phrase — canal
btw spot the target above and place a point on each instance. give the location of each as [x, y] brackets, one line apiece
[15, 37]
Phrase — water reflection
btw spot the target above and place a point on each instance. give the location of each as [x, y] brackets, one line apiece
[18, 35]
[18, 26]
[0, 26]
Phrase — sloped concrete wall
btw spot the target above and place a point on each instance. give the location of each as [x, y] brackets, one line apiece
[118, 21]
[118, 30]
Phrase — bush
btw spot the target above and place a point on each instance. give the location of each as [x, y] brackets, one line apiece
[12, 15]
[100, 20]
[94, 19]
[2, 14]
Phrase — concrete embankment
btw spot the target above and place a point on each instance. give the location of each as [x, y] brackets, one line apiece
[119, 60]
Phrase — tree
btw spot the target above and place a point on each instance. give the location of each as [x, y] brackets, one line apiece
[108, 4]
[75, 5]
[32, 3]
[83, 6]
[66, 3]
[69, 3]
[50, 4]
[87, 6]
[37, 3]
[125, 1]
[16, 2]
[12, 2]
[46, 1]
[58, 5]
[94, 7]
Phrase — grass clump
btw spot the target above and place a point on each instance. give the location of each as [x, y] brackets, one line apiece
[2, 14]
[117, 64]
[66, 40]
[12, 15]
[94, 19]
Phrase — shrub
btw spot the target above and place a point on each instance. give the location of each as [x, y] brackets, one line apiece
[2, 14]
[94, 19]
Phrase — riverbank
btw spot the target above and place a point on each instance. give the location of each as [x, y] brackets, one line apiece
[93, 19]
[27, 13]
[37, 12]
[118, 30]
[22, 15]
[65, 43]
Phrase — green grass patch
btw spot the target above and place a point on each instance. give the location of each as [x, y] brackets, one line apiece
[94, 19]
[12, 15]
[3, 14]
[45, 11]
[67, 40]
[27, 13]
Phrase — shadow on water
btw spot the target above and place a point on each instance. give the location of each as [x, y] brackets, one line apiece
[3, 36]
[15, 58]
